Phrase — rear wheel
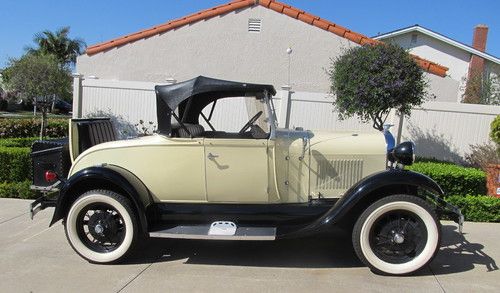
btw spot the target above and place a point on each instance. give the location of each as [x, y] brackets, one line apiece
[101, 226]
[397, 235]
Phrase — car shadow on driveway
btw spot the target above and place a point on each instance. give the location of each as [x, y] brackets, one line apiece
[456, 255]
[321, 251]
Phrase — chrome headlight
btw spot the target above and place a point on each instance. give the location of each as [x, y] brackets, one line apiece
[403, 153]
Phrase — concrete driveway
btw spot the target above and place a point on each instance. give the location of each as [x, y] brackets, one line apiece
[35, 258]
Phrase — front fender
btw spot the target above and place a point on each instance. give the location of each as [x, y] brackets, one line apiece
[116, 177]
[368, 187]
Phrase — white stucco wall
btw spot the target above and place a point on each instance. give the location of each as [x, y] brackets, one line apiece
[450, 88]
[222, 47]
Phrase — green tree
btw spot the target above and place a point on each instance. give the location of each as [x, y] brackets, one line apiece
[59, 44]
[368, 81]
[34, 76]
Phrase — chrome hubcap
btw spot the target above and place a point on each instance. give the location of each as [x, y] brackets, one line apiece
[399, 238]
[99, 229]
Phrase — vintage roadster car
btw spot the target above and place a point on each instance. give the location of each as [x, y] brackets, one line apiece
[259, 183]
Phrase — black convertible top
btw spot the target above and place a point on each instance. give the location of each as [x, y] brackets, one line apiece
[191, 96]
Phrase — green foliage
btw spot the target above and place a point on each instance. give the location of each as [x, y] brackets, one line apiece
[16, 163]
[495, 130]
[26, 128]
[477, 208]
[59, 44]
[24, 142]
[454, 179]
[370, 80]
[34, 76]
[16, 190]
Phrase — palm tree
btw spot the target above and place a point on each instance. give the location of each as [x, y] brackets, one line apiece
[59, 44]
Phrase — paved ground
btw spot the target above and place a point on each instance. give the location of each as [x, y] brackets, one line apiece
[35, 258]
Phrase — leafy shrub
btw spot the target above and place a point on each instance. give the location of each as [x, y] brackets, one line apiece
[482, 155]
[477, 208]
[495, 130]
[22, 142]
[16, 163]
[454, 179]
[16, 190]
[28, 127]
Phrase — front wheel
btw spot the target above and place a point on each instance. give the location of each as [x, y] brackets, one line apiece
[101, 226]
[397, 235]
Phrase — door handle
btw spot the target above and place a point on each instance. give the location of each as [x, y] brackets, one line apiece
[212, 156]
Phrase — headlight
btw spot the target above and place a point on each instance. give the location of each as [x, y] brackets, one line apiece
[403, 153]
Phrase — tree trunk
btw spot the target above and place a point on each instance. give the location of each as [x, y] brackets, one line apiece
[44, 122]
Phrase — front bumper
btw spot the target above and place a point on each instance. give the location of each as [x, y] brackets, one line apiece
[450, 211]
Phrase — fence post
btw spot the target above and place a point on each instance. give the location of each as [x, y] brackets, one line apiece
[77, 95]
[286, 95]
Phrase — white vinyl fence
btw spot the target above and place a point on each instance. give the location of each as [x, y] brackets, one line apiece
[440, 130]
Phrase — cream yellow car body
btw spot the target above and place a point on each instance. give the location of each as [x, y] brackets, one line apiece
[295, 166]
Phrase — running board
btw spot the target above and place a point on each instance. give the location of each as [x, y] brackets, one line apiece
[202, 232]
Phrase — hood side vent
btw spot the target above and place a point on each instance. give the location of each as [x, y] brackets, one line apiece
[338, 174]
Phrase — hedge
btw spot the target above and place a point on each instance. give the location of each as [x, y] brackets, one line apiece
[453, 179]
[23, 142]
[16, 164]
[477, 208]
[30, 127]
[16, 190]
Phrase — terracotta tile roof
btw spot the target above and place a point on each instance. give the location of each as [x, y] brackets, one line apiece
[301, 15]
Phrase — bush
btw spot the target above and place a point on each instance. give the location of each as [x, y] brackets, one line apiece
[454, 179]
[495, 130]
[477, 208]
[482, 155]
[23, 142]
[16, 163]
[30, 127]
[16, 190]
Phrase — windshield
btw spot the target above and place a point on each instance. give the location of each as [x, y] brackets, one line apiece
[231, 114]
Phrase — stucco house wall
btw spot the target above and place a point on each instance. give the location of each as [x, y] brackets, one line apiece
[222, 47]
[450, 88]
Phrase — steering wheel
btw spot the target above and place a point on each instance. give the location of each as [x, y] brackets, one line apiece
[250, 122]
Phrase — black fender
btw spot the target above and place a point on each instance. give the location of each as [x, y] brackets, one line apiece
[365, 188]
[113, 176]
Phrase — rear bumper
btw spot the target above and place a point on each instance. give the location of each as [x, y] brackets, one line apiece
[40, 204]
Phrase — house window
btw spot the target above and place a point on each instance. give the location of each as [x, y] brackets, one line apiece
[254, 25]
[414, 38]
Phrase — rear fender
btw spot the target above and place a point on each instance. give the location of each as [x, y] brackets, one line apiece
[104, 177]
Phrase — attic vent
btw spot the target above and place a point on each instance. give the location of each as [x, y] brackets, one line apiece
[414, 38]
[254, 25]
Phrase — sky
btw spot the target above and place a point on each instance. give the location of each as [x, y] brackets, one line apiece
[100, 20]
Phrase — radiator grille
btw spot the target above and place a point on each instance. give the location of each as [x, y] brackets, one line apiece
[338, 174]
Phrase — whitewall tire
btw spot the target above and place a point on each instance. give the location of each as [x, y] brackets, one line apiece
[397, 235]
[101, 226]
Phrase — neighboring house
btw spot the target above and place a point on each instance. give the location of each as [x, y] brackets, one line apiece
[461, 59]
[244, 40]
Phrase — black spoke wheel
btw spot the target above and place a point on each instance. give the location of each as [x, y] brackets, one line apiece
[101, 226]
[398, 237]
[398, 234]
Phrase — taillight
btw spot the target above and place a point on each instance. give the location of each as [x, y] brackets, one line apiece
[50, 176]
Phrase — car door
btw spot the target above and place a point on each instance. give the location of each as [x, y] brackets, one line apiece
[236, 170]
